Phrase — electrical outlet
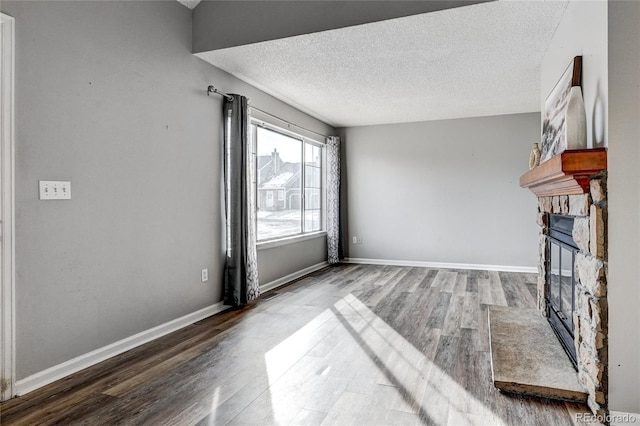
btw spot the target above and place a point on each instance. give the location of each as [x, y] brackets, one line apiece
[205, 275]
[55, 190]
[357, 240]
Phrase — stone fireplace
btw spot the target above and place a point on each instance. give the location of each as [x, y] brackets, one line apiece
[588, 212]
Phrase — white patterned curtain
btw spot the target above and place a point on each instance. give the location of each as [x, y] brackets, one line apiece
[241, 266]
[334, 231]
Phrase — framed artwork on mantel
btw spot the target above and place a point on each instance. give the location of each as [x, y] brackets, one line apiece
[554, 132]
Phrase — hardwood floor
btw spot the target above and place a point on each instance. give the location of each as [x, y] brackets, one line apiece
[348, 345]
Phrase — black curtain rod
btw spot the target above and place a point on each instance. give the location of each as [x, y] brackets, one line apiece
[212, 89]
[287, 122]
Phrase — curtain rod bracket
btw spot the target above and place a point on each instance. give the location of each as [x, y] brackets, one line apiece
[212, 89]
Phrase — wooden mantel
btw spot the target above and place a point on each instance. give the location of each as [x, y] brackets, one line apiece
[566, 173]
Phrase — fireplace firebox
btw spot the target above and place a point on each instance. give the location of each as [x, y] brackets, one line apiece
[561, 281]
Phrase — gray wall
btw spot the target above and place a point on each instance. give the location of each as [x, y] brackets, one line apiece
[216, 23]
[277, 262]
[109, 96]
[624, 206]
[443, 191]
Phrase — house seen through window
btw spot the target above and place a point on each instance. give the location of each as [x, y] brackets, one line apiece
[289, 184]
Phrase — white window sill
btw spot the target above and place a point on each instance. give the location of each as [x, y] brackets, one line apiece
[289, 240]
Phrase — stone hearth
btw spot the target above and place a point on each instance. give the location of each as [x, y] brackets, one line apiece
[527, 358]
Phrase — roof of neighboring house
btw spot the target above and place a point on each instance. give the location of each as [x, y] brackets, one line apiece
[278, 181]
[263, 160]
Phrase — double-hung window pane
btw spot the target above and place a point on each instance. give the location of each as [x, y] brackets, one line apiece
[289, 184]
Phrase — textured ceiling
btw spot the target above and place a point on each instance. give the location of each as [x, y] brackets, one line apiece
[470, 61]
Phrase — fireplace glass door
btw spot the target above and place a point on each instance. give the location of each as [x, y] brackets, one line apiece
[561, 292]
[567, 285]
[561, 282]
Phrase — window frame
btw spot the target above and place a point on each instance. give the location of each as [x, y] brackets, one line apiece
[254, 124]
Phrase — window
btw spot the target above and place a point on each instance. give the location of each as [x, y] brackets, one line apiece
[288, 183]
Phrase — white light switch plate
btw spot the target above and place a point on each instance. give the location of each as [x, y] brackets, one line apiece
[55, 190]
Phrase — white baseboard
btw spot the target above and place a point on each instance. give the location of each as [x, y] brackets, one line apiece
[288, 278]
[81, 362]
[473, 266]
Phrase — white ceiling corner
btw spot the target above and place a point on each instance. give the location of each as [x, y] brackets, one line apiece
[190, 3]
[470, 61]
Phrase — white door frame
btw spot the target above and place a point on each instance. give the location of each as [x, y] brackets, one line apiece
[7, 201]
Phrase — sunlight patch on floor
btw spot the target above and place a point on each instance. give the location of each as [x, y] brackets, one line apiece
[215, 402]
[347, 366]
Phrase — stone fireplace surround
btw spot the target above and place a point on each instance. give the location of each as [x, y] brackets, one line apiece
[590, 316]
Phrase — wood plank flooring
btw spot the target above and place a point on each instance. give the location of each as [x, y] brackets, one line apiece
[348, 345]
